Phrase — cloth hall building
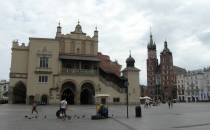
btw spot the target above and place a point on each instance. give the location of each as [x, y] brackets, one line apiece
[69, 66]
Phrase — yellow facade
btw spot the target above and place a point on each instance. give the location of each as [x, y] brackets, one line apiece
[49, 69]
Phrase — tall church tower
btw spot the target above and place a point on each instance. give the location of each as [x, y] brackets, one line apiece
[152, 66]
[167, 72]
[132, 74]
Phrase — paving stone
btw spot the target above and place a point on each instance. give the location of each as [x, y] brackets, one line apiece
[183, 116]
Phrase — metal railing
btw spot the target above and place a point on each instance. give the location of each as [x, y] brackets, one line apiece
[78, 71]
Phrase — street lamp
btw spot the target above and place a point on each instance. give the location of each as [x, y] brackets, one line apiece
[126, 86]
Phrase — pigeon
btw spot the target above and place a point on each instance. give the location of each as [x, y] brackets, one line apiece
[45, 116]
[26, 116]
[69, 117]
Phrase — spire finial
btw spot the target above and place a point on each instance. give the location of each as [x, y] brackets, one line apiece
[96, 28]
[78, 21]
[151, 39]
[150, 30]
[59, 23]
[165, 44]
[130, 52]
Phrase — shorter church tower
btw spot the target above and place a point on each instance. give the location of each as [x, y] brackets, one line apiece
[167, 73]
[132, 74]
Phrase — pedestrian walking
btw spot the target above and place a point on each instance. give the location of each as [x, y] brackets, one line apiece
[34, 108]
[146, 103]
[63, 107]
[169, 104]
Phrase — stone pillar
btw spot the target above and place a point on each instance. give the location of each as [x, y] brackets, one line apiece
[27, 99]
[80, 65]
[77, 96]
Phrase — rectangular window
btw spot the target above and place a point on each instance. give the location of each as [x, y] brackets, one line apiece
[116, 99]
[43, 62]
[43, 79]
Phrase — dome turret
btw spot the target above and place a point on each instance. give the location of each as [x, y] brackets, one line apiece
[166, 50]
[130, 61]
[78, 28]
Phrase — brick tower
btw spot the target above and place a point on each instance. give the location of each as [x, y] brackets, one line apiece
[167, 73]
[152, 66]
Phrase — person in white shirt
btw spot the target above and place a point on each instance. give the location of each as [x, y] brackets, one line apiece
[63, 107]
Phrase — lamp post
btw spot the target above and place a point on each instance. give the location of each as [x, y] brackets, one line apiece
[126, 86]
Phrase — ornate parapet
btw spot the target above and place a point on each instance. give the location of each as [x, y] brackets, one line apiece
[17, 46]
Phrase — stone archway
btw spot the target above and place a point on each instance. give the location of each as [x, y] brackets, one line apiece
[68, 92]
[87, 94]
[44, 99]
[19, 93]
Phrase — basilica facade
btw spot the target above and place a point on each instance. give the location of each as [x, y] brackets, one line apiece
[161, 76]
[69, 66]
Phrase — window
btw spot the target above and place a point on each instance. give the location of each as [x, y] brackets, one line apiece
[182, 91]
[116, 99]
[78, 51]
[43, 62]
[43, 79]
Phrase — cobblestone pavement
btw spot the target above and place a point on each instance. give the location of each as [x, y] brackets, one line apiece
[182, 117]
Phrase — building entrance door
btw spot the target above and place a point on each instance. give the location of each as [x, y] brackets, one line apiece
[68, 95]
[44, 100]
[19, 93]
[87, 94]
[68, 92]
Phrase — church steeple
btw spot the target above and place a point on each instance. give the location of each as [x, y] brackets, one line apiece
[151, 44]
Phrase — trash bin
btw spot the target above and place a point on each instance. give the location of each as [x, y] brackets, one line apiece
[138, 111]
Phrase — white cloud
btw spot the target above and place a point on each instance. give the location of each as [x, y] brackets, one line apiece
[123, 25]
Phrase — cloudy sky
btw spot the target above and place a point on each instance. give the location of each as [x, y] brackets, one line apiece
[123, 25]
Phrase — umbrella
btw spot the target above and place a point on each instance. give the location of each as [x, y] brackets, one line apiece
[146, 97]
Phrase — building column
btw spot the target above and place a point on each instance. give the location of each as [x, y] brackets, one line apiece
[77, 96]
[80, 65]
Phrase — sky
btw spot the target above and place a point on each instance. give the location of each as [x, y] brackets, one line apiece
[123, 25]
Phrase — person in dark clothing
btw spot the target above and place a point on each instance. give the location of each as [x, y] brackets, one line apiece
[34, 108]
[169, 104]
